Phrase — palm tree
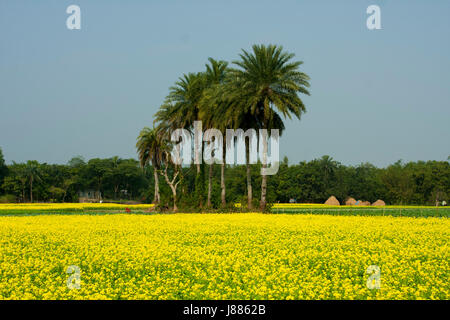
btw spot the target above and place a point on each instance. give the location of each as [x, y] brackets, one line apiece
[267, 82]
[237, 116]
[210, 111]
[185, 98]
[149, 151]
[180, 109]
[224, 105]
[115, 161]
[33, 173]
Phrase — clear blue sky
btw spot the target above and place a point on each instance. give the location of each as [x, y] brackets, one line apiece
[376, 96]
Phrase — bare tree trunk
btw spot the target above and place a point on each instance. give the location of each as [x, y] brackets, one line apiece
[174, 195]
[157, 197]
[210, 185]
[175, 208]
[172, 184]
[173, 187]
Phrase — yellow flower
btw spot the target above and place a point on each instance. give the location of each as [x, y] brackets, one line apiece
[223, 256]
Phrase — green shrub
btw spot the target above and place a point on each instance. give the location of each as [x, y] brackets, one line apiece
[7, 198]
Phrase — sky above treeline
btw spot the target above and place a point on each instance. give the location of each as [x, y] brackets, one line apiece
[376, 95]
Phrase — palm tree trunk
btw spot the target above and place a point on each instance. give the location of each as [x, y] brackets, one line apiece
[222, 177]
[210, 185]
[262, 203]
[249, 178]
[222, 184]
[116, 189]
[249, 188]
[199, 186]
[157, 198]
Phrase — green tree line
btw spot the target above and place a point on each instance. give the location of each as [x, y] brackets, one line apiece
[420, 183]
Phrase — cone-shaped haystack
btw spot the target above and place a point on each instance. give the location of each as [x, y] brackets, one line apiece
[379, 203]
[350, 201]
[332, 201]
[364, 203]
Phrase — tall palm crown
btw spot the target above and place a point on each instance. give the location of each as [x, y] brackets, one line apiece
[32, 169]
[212, 103]
[215, 71]
[181, 107]
[266, 83]
[149, 147]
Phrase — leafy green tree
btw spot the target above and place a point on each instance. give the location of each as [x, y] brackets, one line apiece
[76, 162]
[66, 185]
[56, 192]
[441, 180]
[95, 173]
[77, 172]
[3, 170]
[130, 177]
[16, 181]
[398, 182]
[33, 174]
[114, 176]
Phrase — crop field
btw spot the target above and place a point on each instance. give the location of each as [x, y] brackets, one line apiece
[222, 256]
[287, 208]
[397, 211]
[36, 208]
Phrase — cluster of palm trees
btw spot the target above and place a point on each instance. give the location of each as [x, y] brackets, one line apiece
[260, 90]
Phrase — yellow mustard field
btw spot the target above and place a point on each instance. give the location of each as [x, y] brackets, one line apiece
[326, 206]
[222, 256]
